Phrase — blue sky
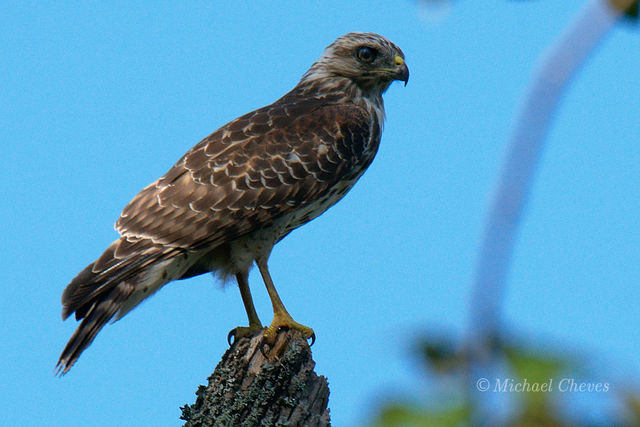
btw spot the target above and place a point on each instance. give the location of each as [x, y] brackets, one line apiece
[97, 100]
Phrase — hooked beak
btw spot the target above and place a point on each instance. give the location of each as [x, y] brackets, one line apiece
[401, 70]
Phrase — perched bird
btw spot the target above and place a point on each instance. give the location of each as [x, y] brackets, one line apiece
[233, 196]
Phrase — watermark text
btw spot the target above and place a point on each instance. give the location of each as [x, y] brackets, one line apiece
[522, 385]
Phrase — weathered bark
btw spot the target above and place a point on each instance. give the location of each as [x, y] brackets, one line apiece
[247, 389]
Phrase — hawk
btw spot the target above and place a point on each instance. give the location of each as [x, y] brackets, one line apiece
[242, 189]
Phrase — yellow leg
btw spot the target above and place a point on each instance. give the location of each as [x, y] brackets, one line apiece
[254, 321]
[281, 318]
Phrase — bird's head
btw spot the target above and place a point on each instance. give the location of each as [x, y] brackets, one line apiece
[366, 60]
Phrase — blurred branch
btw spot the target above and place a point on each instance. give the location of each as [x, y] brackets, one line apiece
[527, 386]
[556, 68]
[249, 389]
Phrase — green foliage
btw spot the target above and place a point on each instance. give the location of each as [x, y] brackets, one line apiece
[441, 356]
[632, 12]
[537, 367]
[633, 404]
[532, 405]
[404, 415]
[413, 416]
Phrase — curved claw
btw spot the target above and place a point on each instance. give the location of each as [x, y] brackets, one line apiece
[242, 332]
[232, 334]
[282, 321]
[268, 341]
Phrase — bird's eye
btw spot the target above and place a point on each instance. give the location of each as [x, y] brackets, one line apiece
[366, 54]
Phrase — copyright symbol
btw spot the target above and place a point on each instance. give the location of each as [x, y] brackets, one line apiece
[483, 384]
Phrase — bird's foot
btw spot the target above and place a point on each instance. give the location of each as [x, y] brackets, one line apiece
[282, 320]
[243, 332]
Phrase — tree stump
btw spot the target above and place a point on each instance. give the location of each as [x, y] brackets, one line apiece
[249, 389]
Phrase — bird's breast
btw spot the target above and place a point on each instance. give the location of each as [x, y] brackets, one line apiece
[315, 208]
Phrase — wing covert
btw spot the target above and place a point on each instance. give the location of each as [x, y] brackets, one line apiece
[258, 167]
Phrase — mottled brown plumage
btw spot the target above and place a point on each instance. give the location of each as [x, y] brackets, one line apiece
[239, 191]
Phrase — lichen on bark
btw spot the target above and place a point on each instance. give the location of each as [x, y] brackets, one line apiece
[275, 386]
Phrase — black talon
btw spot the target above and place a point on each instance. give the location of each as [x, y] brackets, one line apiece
[232, 334]
[313, 339]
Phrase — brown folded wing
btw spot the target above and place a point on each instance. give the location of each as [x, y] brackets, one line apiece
[255, 169]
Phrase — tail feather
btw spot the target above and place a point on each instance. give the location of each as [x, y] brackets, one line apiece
[76, 292]
[97, 316]
[122, 260]
[106, 287]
